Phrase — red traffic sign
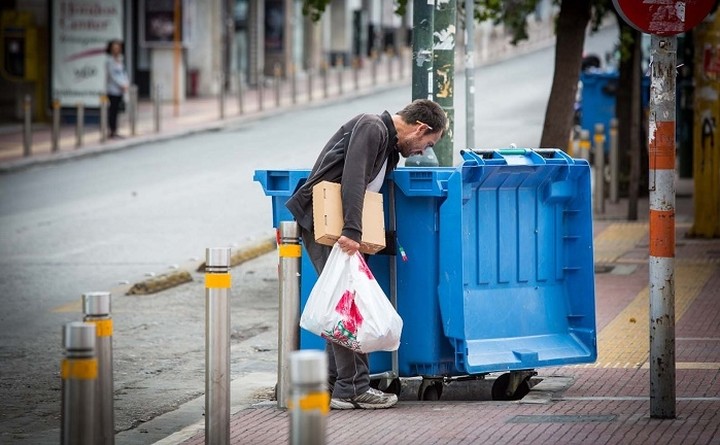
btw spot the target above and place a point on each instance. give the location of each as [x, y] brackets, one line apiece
[663, 17]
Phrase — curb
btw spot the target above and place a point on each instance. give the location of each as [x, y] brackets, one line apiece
[181, 276]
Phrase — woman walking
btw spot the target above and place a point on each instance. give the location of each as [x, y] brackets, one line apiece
[116, 83]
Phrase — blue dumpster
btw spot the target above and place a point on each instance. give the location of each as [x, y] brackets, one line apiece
[499, 273]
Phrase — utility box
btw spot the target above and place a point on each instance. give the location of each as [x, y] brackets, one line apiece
[328, 217]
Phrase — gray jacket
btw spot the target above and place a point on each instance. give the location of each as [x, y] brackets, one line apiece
[353, 156]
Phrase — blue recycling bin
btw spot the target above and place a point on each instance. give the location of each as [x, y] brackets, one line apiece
[499, 274]
[599, 94]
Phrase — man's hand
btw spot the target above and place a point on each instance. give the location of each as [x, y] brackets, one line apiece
[348, 245]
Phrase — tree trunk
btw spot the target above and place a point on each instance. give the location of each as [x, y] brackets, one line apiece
[571, 24]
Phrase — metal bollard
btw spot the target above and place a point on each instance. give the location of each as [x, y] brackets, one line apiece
[217, 345]
[277, 73]
[293, 82]
[240, 92]
[261, 92]
[103, 117]
[289, 305]
[356, 73]
[133, 109]
[373, 65]
[325, 79]
[96, 306]
[55, 126]
[79, 124]
[27, 126]
[614, 162]
[390, 57]
[221, 94]
[310, 399]
[584, 145]
[599, 150]
[310, 84]
[78, 371]
[339, 68]
[157, 97]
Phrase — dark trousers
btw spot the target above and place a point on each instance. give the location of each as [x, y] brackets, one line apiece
[348, 372]
[113, 111]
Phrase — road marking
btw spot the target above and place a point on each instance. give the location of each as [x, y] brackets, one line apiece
[613, 242]
[73, 306]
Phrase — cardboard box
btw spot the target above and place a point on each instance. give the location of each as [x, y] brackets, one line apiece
[328, 217]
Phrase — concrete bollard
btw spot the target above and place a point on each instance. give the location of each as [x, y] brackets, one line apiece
[157, 116]
[599, 151]
[289, 305]
[79, 370]
[310, 399]
[27, 126]
[103, 118]
[79, 124]
[614, 162]
[217, 345]
[133, 109]
[55, 126]
[96, 307]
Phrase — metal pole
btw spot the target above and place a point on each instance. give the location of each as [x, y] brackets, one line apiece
[221, 94]
[310, 399]
[27, 126]
[614, 162]
[469, 74]
[289, 305]
[444, 71]
[156, 107]
[96, 306]
[661, 154]
[79, 370]
[260, 91]
[79, 124]
[103, 117]
[55, 126]
[599, 150]
[422, 74]
[133, 109]
[217, 345]
[240, 92]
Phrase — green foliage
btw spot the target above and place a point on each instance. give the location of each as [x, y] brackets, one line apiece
[314, 8]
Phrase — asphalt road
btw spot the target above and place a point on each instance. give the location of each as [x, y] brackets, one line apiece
[100, 222]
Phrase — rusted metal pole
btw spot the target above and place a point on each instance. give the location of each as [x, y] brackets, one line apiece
[661, 154]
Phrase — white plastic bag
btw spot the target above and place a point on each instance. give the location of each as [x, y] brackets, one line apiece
[348, 307]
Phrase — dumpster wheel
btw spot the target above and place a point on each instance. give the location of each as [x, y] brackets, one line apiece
[512, 385]
[393, 386]
[430, 389]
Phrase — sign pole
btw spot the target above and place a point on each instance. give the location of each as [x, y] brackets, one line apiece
[661, 154]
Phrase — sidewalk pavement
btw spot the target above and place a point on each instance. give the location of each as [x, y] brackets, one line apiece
[606, 402]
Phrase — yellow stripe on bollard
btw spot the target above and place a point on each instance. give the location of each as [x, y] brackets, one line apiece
[289, 251]
[217, 280]
[79, 369]
[103, 328]
[313, 401]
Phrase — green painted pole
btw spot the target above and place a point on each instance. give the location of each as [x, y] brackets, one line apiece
[422, 57]
[444, 73]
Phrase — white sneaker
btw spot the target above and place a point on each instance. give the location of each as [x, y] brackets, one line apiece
[372, 399]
